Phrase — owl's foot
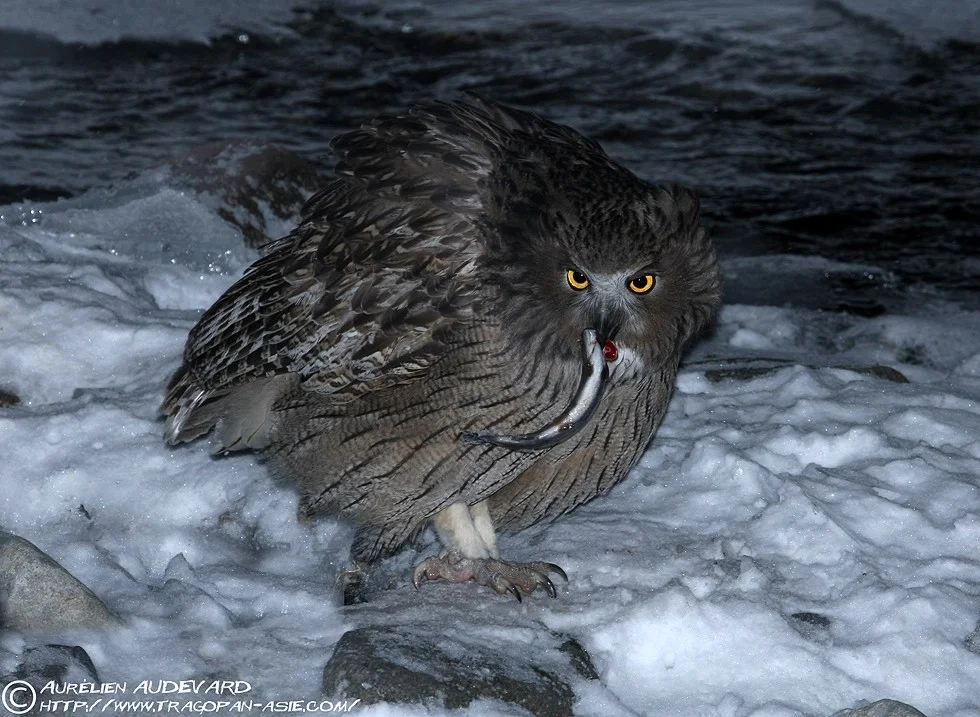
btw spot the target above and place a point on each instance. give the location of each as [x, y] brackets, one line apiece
[518, 579]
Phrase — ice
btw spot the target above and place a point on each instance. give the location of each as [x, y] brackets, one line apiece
[801, 536]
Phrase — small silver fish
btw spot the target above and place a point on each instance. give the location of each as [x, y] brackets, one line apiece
[595, 373]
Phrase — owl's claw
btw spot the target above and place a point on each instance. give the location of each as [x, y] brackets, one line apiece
[517, 579]
[552, 568]
[419, 575]
[513, 591]
[549, 586]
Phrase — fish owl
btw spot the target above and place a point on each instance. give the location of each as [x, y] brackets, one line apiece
[476, 326]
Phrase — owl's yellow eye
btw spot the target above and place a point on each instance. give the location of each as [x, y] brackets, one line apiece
[642, 284]
[577, 280]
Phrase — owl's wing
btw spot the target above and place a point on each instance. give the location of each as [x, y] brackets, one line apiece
[384, 263]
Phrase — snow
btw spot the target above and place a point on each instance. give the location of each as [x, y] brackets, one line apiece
[799, 538]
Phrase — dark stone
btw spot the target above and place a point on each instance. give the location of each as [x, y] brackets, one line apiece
[245, 178]
[812, 618]
[579, 658]
[58, 663]
[739, 373]
[881, 708]
[42, 665]
[813, 626]
[8, 398]
[886, 372]
[972, 641]
[398, 664]
[771, 366]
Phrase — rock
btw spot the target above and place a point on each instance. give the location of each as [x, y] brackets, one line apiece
[60, 663]
[886, 372]
[812, 625]
[39, 667]
[400, 664]
[36, 593]
[881, 708]
[771, 366]
[739, 373]
[972, 641]
[579, 658]
[250, 182]
[8, 398]
[814, 619]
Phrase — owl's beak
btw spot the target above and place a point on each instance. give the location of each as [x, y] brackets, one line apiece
[606, 328]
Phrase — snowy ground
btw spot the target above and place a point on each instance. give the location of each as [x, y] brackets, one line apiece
[803, 534]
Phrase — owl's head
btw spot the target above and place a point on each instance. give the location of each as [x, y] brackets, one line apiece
[604, 250]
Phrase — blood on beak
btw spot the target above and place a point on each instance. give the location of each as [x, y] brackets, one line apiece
[610, 350]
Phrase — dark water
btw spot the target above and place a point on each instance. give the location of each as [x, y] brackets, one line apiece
[807, 129]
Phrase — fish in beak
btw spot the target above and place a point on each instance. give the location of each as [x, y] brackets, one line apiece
[597, 350]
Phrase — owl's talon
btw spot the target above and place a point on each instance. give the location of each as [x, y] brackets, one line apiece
[548, 586]
[517, 579]
[552, 568]
[421, 573]
[502, 585]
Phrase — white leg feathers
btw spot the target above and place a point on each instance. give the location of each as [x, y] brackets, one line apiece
[466, 530]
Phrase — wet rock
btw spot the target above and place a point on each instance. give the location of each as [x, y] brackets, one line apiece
[881, 708]
[259, 188]
[36, 593]
[398, 664]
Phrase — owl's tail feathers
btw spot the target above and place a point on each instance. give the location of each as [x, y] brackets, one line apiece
[190, 409]
[240, 415]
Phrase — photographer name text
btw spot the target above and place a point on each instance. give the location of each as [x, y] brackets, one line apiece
[149, 687]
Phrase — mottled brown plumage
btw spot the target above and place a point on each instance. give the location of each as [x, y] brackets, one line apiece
[427, 293]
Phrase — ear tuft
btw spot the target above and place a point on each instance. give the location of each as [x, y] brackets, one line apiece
[687, 203]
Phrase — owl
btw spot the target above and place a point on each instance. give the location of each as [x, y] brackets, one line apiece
[476, 326]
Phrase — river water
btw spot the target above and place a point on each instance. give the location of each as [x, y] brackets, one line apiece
[843, 130]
